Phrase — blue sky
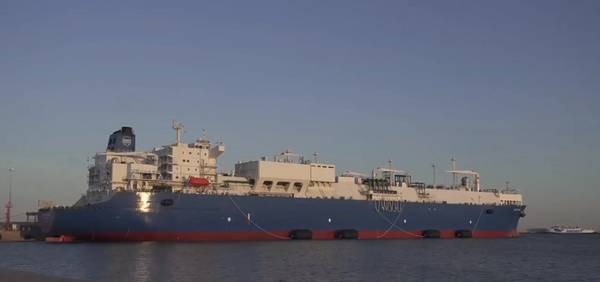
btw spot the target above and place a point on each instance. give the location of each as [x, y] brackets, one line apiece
[509, 88]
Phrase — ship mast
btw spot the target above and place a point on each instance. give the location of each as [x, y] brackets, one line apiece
[7, 223]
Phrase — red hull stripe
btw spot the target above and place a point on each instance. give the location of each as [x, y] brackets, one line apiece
[61, 239]
[274, 235]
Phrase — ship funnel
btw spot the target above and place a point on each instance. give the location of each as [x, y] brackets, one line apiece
[122, 140]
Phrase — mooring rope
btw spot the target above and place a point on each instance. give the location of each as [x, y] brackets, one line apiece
[254, 223]
[479, 217]
[394, 224]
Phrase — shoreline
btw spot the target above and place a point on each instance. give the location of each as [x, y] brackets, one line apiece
[27, 276]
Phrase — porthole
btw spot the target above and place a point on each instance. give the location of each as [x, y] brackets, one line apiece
[167, 202]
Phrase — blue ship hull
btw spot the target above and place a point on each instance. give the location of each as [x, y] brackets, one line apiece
[167, 216]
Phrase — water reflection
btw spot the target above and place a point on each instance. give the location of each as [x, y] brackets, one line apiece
[144, 201]
[143, 261]
[525, 258]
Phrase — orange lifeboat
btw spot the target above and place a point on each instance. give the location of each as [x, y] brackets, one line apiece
[198, 181]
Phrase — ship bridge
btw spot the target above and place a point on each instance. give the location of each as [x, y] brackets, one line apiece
[175, 166]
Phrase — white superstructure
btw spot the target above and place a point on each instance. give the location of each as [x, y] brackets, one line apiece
[171, 166]
[192, 168]
[123, 171]
[318, 180]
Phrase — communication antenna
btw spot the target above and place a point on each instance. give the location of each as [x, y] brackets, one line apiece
[453, 161]
[433, 167]
[178, 126]
[390, 163]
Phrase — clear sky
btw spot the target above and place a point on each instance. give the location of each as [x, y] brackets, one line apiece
[510, 88]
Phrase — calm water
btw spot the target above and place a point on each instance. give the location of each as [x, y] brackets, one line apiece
[530, 257]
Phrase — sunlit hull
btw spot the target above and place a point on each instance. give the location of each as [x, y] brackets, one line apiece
[167, 216]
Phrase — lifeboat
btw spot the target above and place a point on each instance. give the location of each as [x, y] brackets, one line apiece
[198, 181]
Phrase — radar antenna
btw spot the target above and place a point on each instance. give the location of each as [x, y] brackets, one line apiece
[178, 126]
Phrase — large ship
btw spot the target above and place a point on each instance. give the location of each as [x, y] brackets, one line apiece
[175, 193]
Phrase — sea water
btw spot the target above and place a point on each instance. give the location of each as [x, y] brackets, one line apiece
[526, 258]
